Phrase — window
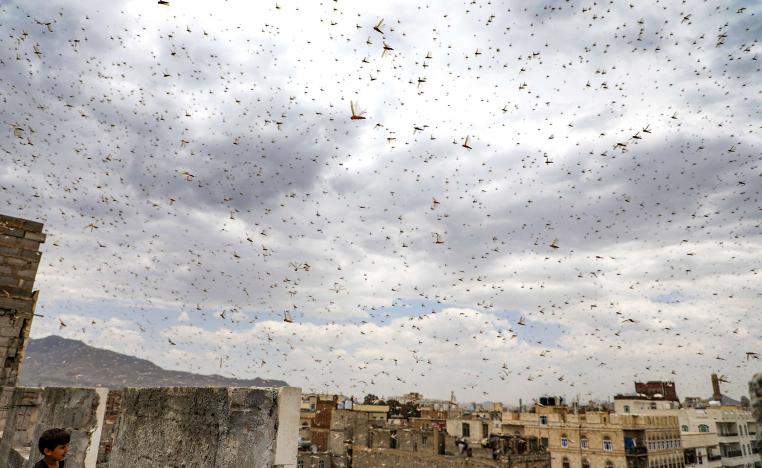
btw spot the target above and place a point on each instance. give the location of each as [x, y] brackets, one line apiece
[485, 430]
[626, 408]
[564, 441]
[321, 464]
[466, 430]
[685, 428]
[607, 445]
[583, 442]
[300, 463]
[585, 463]
[653, 405]
[543, 420]
[703, 428]
[565, 463]
[609, 464]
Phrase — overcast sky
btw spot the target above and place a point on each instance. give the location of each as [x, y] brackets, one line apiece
[552, 197]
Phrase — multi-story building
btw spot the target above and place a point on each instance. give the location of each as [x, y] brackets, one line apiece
[715, 436]
[712, 434]
[600, 439]
[700, 441]
[737, 431]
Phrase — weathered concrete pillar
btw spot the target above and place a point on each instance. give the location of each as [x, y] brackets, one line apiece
[755, 392]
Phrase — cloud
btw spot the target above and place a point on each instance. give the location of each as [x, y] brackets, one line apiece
[214, 151]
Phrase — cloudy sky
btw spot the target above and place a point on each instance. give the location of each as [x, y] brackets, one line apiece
[543, 197]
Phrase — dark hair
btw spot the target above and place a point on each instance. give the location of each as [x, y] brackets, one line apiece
[52, 438]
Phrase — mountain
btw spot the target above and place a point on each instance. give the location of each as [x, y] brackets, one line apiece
[56, 361]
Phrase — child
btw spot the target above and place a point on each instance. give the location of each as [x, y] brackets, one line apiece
[53, 445]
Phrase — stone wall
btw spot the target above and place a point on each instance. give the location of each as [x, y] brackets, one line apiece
[35, 410]
[209, 427]
[19, 258]
[193, 427]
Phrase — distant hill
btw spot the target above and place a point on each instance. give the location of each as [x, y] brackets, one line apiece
[75, 364]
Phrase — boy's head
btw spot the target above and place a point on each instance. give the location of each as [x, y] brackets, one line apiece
[54, 444]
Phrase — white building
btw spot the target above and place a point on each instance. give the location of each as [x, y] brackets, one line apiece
[717, 436]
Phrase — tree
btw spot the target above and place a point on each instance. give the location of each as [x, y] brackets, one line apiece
[370, 399]
[394, 407]
[410, 410]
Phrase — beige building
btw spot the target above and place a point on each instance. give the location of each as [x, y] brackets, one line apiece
[475, 427]
[600, 439]
[472, 429]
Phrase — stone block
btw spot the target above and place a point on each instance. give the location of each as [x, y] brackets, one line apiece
[19, 242]
[30, 254]
[9, 231]
[35, 236]
[12, 222]
[8, 281]
[14, 261]
[27, 274]
[17, 304]
[9, 252]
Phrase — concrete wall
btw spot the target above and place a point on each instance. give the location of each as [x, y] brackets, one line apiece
[35, 410]
[162, 427]
[209, 427]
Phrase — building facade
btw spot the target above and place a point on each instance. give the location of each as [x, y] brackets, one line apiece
[600, 439]
[712, 436]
